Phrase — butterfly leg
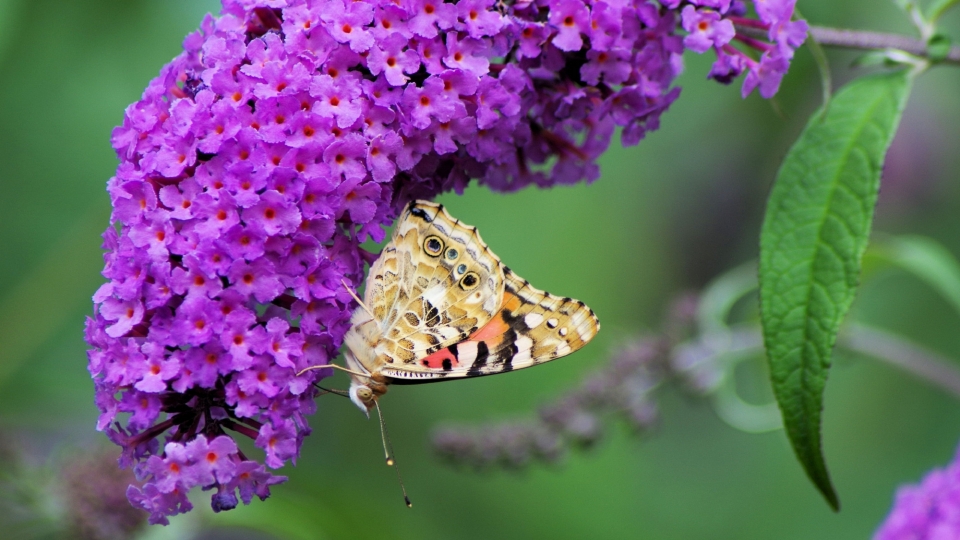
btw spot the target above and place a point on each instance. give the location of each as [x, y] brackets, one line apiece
[334, 366]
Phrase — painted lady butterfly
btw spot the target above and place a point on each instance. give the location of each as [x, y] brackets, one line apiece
[440, 305]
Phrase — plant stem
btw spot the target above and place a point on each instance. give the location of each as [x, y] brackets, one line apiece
[927, 365]
[931, 367]
[859, 39]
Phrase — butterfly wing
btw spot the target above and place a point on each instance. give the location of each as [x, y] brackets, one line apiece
[434, 284]
[530, 327]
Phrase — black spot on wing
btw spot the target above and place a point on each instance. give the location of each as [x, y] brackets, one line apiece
[508, 350]
[482, 354]
[447, 365]
[420, 213]
[431, 314]
[515, 322]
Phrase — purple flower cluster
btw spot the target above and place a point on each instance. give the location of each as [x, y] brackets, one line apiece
[713, 24]
[287, 133]
[930, 510]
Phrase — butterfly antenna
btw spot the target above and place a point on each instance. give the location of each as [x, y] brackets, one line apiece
[357, 298]
[342, 393]
[388, 452]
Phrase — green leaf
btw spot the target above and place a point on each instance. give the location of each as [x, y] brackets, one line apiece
[939, 7]
[814, 234]
[938, 47]
[878, 58]
[925, 258]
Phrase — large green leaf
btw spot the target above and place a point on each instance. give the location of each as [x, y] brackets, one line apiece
[814, 234]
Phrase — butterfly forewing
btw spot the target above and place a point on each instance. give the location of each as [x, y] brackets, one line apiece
[434, 284]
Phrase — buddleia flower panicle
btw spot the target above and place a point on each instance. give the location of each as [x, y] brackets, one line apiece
[287, 133]
[930, 509]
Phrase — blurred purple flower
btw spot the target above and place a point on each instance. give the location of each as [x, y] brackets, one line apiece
[287, 133]
[929, 510]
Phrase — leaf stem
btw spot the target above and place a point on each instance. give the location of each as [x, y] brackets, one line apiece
[864, 40]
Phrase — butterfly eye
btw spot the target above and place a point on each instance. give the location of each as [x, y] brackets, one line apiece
[452, 254]
[433, 246]
[461, 269]
[469, 281]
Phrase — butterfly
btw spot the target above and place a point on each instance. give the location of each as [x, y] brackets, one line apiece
[439, 305]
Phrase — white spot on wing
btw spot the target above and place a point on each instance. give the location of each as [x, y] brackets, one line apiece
[563, 349]
[435, 295]
[585, 334]
[467, 352]
[524, 345]
[552, 323]
[533, 320]
[563, 331]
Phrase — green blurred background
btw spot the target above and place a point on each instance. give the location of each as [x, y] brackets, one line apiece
[667, 216]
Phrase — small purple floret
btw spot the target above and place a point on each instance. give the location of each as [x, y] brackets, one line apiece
[706, 29]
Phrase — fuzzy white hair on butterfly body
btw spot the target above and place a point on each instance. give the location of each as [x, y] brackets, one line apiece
[360, 341]
[356, 389]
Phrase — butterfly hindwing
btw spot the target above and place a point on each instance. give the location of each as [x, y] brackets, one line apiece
[530, 327]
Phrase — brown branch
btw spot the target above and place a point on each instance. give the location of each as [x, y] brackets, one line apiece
[863, 40]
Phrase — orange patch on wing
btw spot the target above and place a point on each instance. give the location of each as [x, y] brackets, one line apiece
[511, 302]
[497, 326]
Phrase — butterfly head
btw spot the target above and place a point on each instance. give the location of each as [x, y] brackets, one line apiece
[365, 392]
[363, 397]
